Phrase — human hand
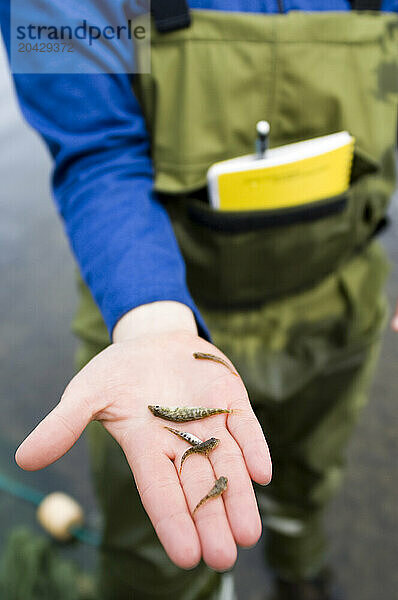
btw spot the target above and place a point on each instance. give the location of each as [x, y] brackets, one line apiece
[115, 388]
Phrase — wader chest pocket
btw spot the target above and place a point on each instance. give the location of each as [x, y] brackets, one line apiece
[239, 259]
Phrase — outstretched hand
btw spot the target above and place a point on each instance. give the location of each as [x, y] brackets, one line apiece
[115, 388]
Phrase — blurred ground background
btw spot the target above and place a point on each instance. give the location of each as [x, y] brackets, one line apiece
[37, 300]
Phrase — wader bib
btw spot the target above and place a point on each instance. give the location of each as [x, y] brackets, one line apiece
[293, 297]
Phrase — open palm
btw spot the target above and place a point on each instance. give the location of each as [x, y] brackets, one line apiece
[116, 388]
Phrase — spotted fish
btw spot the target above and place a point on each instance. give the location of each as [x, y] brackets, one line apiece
[214, 358]
[219, 487]
[188, 437]
[179, 414]
[204, 448]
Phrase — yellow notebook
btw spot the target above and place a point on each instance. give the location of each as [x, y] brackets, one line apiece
[291, 175]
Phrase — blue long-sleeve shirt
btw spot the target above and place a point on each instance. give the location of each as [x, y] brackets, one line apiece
[103, 176]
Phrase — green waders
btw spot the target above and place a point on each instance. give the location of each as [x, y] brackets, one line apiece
[294, 298]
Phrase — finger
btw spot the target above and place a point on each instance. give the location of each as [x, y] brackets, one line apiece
[243, 425]
[56, 434]
[163, 499]
[394, 322]
[240, 500]
[217, 542]
[247, 432]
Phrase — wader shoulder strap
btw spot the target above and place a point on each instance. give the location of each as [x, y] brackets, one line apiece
[174, 14]
[170, 15]
[365, 4]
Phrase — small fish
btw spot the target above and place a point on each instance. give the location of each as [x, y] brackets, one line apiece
[179, 414]
[214, 358]
[219, 487]
[203, 448]
[188, 437]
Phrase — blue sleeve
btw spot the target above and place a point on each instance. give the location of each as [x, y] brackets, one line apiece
[103, 187]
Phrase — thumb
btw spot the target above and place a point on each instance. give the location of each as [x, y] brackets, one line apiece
[57, 433]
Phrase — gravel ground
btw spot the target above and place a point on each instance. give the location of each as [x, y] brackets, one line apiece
[37, 301]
